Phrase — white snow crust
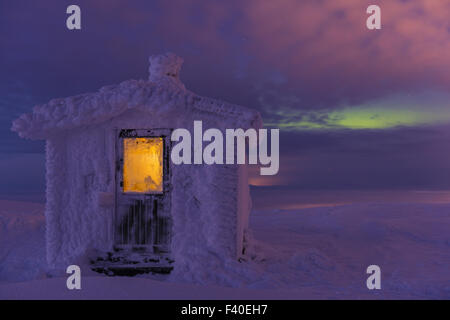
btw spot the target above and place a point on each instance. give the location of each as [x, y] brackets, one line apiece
[210, 203]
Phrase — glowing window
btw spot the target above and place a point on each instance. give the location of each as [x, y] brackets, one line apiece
[143, 165]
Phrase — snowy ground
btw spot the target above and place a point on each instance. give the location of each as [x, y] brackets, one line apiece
[311, 253]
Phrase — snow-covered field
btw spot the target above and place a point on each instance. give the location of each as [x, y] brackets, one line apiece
[311, 253]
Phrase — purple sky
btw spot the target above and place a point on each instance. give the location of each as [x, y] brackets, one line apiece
[357, 109]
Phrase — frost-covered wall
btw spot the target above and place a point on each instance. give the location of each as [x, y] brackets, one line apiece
[209, 203]
[78, 168]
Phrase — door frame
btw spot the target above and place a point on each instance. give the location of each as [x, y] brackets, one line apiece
[119, 135]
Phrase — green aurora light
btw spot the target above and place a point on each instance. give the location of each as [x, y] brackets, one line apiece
[375, 116]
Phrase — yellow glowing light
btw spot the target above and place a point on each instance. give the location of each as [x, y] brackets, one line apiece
[143, 165]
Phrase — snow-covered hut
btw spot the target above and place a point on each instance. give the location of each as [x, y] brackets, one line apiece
[112, 188]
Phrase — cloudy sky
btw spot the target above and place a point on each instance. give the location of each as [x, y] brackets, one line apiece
[357, 108]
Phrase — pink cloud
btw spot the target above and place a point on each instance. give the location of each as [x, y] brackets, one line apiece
[323, 39]
[322, 47]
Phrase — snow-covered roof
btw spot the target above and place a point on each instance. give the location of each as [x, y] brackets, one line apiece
[163, 92]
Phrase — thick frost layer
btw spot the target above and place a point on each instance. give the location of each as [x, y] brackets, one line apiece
[165, 68]
[210, 204]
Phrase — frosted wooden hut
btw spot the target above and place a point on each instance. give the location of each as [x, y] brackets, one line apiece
[112, 188]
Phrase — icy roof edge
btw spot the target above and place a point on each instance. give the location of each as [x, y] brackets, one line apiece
[110, 101]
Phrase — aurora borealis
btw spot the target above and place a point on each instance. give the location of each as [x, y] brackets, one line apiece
[393, 112]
